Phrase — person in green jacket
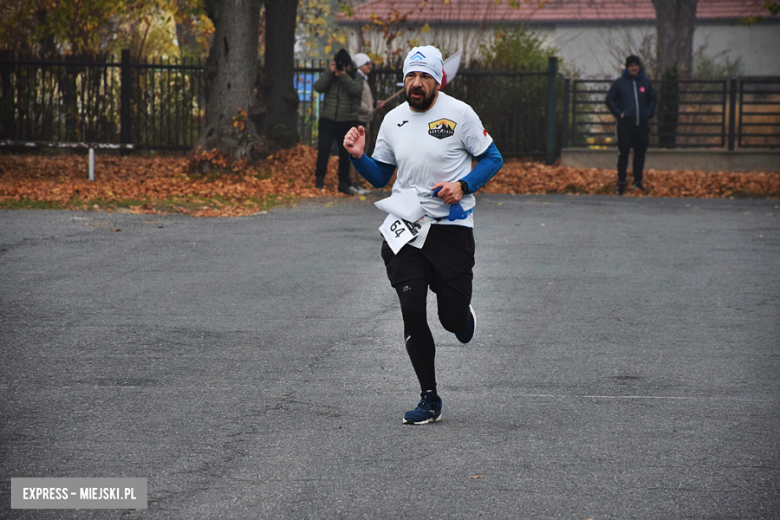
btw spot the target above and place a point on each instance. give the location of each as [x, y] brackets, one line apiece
[343, 89]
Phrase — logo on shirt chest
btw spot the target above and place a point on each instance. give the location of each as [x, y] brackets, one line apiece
[442, 128]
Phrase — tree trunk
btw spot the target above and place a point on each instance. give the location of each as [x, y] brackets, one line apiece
[668, 108]
[231, 74]
[7, 120]
[675, 25]
[675, 22]
[280, 121]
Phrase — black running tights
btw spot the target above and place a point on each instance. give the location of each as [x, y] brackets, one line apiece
[453, 315]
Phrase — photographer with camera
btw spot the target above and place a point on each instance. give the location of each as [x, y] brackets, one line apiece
[343, 89]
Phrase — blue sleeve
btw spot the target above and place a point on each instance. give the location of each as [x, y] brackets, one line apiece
[375, 172]
[488, 164]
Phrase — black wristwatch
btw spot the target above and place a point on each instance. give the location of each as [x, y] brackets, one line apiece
[464, 186]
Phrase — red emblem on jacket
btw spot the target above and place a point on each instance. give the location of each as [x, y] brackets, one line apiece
[484, 132]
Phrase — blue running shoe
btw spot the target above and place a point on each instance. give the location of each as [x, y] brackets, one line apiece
[429, 410]
[467, 333]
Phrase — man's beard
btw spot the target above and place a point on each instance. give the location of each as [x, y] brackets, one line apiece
[423, 104]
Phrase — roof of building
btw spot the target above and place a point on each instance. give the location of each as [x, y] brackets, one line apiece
[541, 11]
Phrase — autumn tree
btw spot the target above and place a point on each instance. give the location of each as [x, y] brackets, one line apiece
[231, 72]
[54, 28]
[675, 22]
[319, 34]
[50, 28]
[280, 120]
[250, 111]
[194, 30]
[675, 25]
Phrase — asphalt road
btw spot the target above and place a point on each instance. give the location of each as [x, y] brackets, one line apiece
[626, 363]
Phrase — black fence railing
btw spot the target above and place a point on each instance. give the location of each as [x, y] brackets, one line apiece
[157, 105]
[736, 113]
[161, 105]
[69, 100]
[167, 104]
[759, 113]
[511, 104]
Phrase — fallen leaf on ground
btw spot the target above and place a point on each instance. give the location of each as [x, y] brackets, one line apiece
[167, 184]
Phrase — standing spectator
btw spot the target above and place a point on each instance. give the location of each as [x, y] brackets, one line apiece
[632, 100]
[367, 105]
[343, 89]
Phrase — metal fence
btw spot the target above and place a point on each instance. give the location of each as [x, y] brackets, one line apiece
[167, 105]
[759, 113]
[736, 113]
[511, 104]
[152, 105]
[69, 100]
[160, 105]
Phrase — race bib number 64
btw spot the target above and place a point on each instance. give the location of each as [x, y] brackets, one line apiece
[398, 232]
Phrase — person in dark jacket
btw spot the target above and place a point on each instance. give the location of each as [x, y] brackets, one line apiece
[343, 89]
[632, 100]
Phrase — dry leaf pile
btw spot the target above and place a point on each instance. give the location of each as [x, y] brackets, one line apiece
[235, 191]
[164, 184]
[519, 177]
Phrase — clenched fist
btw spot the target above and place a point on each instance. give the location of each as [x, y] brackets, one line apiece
[355, 141]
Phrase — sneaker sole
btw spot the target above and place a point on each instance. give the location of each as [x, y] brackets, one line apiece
[425, 421]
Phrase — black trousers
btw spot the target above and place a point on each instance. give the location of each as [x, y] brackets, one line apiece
[445, 265]
[328, 132]
[629, 136]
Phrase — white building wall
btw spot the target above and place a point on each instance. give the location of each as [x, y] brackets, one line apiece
[758, 46]
[598, 51]
[448, 39]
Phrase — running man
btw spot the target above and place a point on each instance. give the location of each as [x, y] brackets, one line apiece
[431, 139]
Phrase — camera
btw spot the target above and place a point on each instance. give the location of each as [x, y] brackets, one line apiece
[342, 60]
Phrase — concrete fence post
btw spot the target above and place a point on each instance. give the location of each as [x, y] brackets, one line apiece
[92, 164]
